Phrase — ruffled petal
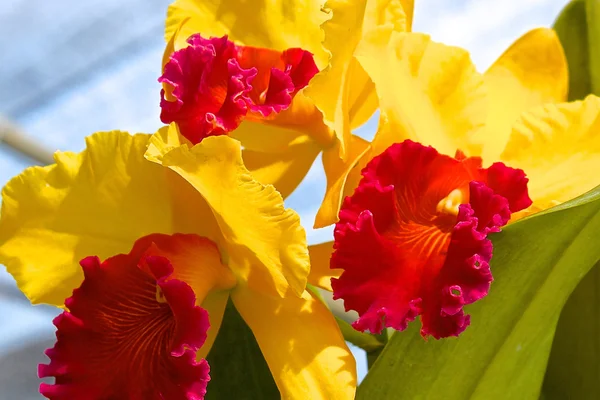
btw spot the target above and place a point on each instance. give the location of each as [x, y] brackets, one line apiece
[280, 75]
[532, 72]
[95, 202]
[205, 90]
[272, 24]
[211, 85]
[301, 343]
[132, 329]
[320, 272]
[343, 91]
[558, 146]
[412, 240]
[428, 92]
[258, 230]
[336, 172]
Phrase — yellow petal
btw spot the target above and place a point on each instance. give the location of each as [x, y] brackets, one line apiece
[532, 72]
[196, 261]
[214, 304]
[558, 148]
[343, 91]
[264, 137]
[169, 49]
[408, 6]
[320, 273]
[98, 202]
[428, 92]
[284, 170]
[301, 118]
[336, 171]
[274, 24]
[358, 100]
[258, 230]
[281, 151]
[301, 343]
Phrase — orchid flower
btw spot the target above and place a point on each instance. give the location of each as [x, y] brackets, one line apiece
[147, 257]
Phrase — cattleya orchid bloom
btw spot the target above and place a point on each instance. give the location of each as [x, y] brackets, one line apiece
[320, 118]
[177, 240]
[515, 114]
[412, 240]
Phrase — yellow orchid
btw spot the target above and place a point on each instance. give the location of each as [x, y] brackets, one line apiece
[516, 113]
[178, 242]
[322, 115]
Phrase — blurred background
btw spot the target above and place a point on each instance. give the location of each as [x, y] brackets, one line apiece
[69, 68]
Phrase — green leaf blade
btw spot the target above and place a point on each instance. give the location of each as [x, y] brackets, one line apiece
[238, 369]
[592, 11]
[572, 30]
[574, 366]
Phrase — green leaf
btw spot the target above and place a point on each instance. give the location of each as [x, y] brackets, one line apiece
[578, 28]
[238, 369]
[373, 355]
[573, 369]
[574, 366]
[503, 354]
[572, 29]
[592, 11]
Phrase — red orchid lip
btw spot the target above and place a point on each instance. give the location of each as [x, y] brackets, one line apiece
[214, 84]
[209, 89]
[412, 239]
[131, 331]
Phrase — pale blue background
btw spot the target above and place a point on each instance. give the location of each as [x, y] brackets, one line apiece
[70, 67]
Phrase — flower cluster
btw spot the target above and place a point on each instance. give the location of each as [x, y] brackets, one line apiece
[144, 240]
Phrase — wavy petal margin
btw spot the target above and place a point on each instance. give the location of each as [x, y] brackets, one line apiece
[99, 201]
[272, 24]
[211, 85]
[132, 330]
[412, 240]
[205, 90]
[258, 231]
[558, 146]
[344, 91]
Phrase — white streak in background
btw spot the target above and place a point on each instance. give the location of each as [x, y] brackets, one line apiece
[125, 97]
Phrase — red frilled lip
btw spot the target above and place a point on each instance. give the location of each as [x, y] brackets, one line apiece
[131, 332]
[213, 84]
[412, 239]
